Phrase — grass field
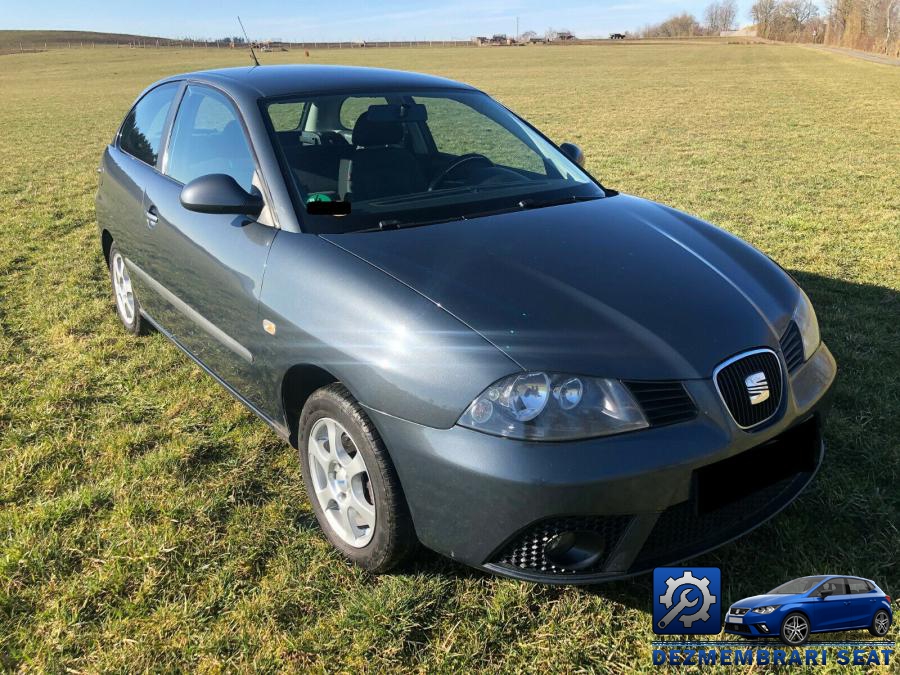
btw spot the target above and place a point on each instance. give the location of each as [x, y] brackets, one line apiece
[150, 522]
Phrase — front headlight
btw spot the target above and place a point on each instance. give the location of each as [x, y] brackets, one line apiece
[766, 610]
[541, 406]
[805, 318]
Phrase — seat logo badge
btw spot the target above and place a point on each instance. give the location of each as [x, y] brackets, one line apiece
[757, 388]
[269, 327]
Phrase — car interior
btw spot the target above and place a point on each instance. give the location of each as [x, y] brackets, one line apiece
[388, 151]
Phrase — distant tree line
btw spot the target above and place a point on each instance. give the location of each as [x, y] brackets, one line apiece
[718, 16]
[872, 25]
[788, 20]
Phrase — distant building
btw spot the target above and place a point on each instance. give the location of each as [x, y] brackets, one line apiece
[747, 31]
[566, 36]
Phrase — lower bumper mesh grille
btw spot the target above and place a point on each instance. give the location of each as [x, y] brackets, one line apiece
[527, 550]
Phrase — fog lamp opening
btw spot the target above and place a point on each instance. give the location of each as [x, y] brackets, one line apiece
[574, 550]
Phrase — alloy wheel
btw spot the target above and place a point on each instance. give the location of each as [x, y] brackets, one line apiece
[341, 483]
[882, 622]
[795, 630]
[122, 288]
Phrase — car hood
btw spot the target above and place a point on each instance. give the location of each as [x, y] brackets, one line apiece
[619, 287]
[764, 600]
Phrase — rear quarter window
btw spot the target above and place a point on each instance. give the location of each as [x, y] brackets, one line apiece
[142, 130]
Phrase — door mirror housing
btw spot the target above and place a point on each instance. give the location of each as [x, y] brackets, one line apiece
[220, 193]
[573, 152]
[825, 593]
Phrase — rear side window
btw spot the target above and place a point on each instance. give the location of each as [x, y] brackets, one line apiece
[287, 116]
[207, 137]
[143, 128]
[859, 586]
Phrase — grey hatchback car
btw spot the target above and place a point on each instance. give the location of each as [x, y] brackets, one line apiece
[472, 343]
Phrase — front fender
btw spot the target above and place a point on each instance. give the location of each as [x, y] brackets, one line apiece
[395, 350]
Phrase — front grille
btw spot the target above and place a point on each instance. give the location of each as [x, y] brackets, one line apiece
[663, 402]
[526, 550]
[792, 347]
[737, 627]
[738, 611]
[731, 381]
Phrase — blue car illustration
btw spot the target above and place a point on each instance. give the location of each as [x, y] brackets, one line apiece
[820, 604]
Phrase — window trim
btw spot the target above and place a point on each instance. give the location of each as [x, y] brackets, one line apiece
[167, 124]
[164, 156]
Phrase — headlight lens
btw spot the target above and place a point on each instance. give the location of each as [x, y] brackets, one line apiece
[805, 318]
[768, 609]
[543, 406]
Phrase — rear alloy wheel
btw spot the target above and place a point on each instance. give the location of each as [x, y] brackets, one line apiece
[127, 306]
[795, 629]
[881, 622]
[351, 482]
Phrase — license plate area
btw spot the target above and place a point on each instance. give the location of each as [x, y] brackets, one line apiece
[735, 619]
[793, 452]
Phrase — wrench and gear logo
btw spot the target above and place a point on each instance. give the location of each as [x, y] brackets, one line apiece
[687, 599]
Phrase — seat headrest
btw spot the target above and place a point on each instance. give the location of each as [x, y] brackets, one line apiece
[367, 132]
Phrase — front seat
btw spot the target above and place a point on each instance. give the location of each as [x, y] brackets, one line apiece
[379, 166]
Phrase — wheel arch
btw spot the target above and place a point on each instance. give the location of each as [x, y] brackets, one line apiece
[297, 384]
[797, 610]
[106, 241]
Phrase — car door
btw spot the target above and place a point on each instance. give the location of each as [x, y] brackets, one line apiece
[863, 602]
[209, 267]
[128, 166]
[831, 611]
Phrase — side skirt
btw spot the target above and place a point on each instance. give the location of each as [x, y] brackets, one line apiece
[278, 428]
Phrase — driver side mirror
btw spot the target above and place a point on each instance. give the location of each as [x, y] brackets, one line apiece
[573, 152]
[824, 593]
[219, 193]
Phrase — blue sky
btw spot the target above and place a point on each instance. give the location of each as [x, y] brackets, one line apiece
[346, 20]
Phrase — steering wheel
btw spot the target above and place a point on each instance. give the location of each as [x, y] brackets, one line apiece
[454, 165]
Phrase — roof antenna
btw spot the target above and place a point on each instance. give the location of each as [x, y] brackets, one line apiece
[249, 44]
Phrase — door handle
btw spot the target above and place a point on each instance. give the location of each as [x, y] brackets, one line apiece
[152, 216]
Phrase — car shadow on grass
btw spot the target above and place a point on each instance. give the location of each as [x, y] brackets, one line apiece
[845, 521]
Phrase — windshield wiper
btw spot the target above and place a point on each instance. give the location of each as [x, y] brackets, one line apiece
[570, 199]
[524, 204]
[400, 225]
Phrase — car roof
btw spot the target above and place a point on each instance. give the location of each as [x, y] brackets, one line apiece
[286, 80]
[826, 577]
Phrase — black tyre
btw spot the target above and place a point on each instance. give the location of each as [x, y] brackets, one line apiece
[127, 306]
[881, 623]
[351, 482]
[795, 629]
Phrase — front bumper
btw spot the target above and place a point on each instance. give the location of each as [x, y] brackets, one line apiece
[756, 625]
[494, 503]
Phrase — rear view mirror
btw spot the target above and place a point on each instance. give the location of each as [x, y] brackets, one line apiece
[573, 152]
[825, 593]
[219, 193]
[398, 112]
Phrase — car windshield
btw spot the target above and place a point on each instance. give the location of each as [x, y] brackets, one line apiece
[800, 585]
[372, 161]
